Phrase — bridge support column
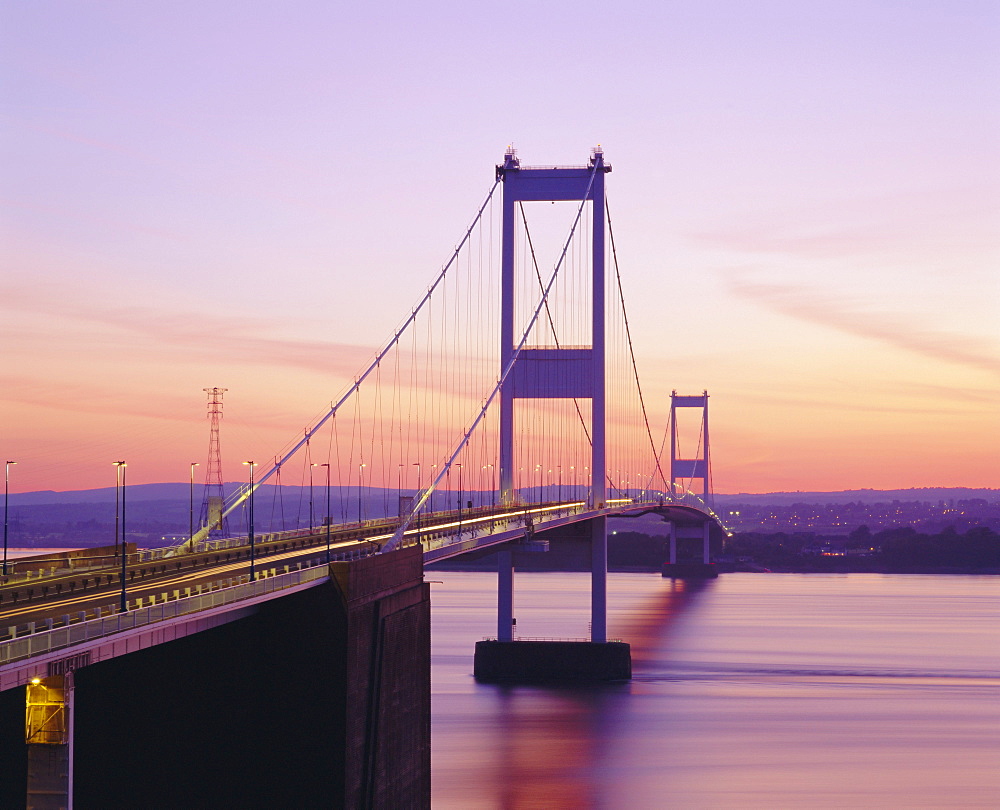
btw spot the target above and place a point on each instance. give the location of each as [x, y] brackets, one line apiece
[48, 734]
[691, 567]
[505, 596]
[599, 580]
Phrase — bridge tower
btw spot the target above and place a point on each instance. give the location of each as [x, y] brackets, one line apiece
[697, 467]
[554, 372]
[690, 468]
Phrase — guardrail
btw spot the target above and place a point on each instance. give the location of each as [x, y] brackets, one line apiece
[18, 649]
[480, 528]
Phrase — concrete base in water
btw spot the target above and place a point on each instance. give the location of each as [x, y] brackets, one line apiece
[691, 570]
[565, 661]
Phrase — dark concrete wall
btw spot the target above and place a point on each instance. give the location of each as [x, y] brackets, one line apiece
[321, 699]
[387, 607]
[13, 751]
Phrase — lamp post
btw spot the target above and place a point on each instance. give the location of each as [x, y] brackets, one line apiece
[559, 467]
[417, 465]
[251, 465]
[540, 472]
[6, 488]
[191, 510]
[327, 512]
[120, 483]
[573, 471]
[361, 484]
[118, 486]
[311, 517]
[399, 490]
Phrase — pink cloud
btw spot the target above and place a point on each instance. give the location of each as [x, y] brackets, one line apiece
[222, 337]
[892, 330]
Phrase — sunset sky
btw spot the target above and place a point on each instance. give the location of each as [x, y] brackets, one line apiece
[252, 196]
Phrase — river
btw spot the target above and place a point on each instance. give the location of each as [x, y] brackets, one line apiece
[750, 691]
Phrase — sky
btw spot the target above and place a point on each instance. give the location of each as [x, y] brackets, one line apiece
[252, 196]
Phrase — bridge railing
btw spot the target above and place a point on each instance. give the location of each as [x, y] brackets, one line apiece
[18, 649]
[531, 519]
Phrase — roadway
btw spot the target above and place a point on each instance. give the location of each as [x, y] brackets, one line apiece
[155, 576]
[82, 593]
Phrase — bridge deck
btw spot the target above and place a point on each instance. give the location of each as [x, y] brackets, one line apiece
[74, 608]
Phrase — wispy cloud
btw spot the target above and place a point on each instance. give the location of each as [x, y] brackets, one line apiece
[220, 337]
[837, 313]
[901, 222]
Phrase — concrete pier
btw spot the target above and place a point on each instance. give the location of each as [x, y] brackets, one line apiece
[561, 661]
[690, 570]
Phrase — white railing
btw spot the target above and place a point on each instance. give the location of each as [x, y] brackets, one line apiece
[482, 527]
[18, 649]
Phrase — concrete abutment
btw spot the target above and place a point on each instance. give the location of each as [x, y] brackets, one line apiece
[321, 698]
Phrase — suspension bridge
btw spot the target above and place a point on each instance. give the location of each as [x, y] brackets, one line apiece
[509, 398]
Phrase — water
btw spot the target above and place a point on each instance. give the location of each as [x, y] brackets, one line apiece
[754, 690]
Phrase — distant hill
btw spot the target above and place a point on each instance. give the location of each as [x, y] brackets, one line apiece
[158, 514]
[157, 492]
[181, 492]
[932, 494]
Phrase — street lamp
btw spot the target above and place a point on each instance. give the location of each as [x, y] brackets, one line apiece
[311, 518]
[361, 484]
[417, 465]
[251, 465]
[120, 482]
[6, 488]
[559, 467]
[539, 468]
[430, 497]
[191, 510]
[327, 512]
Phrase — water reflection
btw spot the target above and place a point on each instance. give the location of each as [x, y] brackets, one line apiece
[750, 692]
[648, 624]
[548, 744]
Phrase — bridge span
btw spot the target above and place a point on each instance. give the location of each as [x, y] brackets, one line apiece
[272, 668]
[64, 642]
